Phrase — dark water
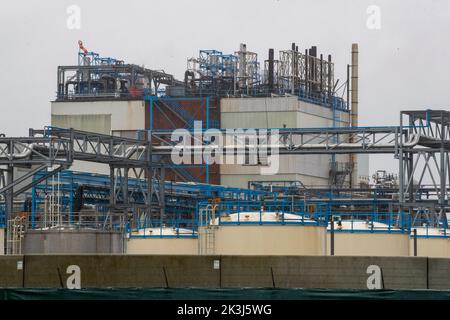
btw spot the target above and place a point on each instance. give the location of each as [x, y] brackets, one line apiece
[220, 294]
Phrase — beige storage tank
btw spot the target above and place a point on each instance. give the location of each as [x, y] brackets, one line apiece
[164, 240]
[263, 234]
[431, 242]
[360, 238]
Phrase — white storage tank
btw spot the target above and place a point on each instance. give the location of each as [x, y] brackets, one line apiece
[163, 240]
[263, 233]
[367, 238]
[431, 242]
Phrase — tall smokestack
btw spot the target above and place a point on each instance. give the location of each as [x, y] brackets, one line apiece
[270, 71]
[354, 110]
[293, 67]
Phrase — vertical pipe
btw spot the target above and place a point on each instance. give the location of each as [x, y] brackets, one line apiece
[271, 73]
[321, 74]
[207, 127]
[354, 111]
[125, 186]
[330, 78]
[306, 71]
[293, 68]
[112, 193]
[314, 68]
[9, 199]
[400, 164]
[348, 86]
[332, 236]
[415, 242]
[161, 193]
[442, 171]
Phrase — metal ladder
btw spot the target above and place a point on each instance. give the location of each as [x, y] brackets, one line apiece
[207, 230]
[16, 232]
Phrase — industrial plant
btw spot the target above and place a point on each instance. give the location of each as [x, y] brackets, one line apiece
[100, 179]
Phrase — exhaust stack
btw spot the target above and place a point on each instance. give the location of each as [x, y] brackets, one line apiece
[354, 111]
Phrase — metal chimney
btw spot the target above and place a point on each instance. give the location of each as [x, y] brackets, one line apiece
[354, 110]
[271, 73]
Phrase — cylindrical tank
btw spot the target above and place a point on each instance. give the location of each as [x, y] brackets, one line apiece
[266, 233]
[72, 241]
[163, 240]
[365, 238]
[431, 242]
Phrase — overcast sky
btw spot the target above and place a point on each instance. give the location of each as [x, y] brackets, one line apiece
[403, 65]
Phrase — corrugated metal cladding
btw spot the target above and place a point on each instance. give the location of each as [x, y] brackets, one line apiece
[168, 116]
[100, 123]
[279, 112]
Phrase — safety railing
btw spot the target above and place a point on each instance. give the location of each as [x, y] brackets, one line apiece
[430, 229]
[77, 221]
[155, 228]
[370, 222]
[264, 213]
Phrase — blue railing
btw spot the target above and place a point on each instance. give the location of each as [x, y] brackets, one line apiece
[176, 228]
[369, 222]
[263, 213]
[430, 229]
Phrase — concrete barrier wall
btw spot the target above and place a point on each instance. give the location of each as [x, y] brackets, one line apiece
[11, 271]
[160, 271]
[321, 272]
[121, 271]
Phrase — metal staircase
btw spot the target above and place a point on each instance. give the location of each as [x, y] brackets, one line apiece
[175, 107]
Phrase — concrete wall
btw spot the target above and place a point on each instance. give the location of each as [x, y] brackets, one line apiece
[370, 244]
[122, 115]
[431, 247]
[11, 273]
[101, 117]
[72, 242]
[269, 240]
[125, 271]
[275, 113]
[186, 246]
[321, 272]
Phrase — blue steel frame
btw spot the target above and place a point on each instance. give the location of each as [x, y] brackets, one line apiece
[2, 216]
[188, 196]
[151, 99]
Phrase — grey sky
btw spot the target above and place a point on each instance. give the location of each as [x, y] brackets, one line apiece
[404, 65]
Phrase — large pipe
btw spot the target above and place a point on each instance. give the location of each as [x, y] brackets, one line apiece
[354, 110]
[329, 81]
[293, 68]
[271, 73]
